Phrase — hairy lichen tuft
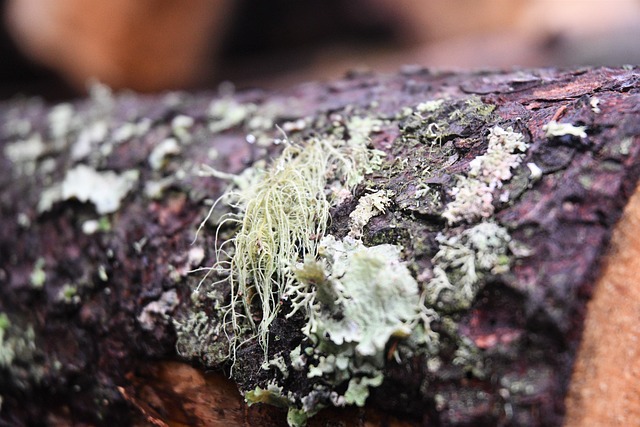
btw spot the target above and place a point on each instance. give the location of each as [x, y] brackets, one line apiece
[281, 216]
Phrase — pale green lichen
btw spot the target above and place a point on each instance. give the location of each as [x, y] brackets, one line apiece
[60, 120]
[180, 126]
[203, 338]
[91, 136]
[18, 351]
[357, 299]
[473, 194]
[429, 106]
[463, 260]
[375, 294]
[24, 151]
[555, 129]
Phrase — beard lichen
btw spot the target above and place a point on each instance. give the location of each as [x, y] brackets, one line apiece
[281, 217]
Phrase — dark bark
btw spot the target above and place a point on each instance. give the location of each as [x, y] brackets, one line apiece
[82, 344]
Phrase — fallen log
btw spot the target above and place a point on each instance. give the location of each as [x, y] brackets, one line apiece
[427, 243]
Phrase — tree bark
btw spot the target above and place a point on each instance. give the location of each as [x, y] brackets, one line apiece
[93, 278]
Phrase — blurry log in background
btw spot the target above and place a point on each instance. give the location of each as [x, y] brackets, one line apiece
[152, 45]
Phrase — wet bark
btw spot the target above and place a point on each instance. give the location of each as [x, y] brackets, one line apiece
[89, 288]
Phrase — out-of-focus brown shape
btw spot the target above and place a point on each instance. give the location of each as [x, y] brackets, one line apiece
[605, 388]
[178, 395]
[145, 45]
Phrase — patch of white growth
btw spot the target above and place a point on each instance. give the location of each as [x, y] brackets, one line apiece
[60, 120]
[180, 126]
[166, 147]
[553, 129]
[158, 311]
[104, 189]
[369, 206]
[227, 112]
[130, 130]
[536, 172]
[88, 139]
[473, 194]
[429, 106]
[25, 151]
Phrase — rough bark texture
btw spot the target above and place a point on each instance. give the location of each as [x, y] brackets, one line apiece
[89, 290]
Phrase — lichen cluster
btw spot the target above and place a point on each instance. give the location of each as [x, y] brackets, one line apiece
[350, 299]
[473, 193]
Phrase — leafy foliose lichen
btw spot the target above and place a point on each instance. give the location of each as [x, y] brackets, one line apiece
[357, 299]
[371, 296]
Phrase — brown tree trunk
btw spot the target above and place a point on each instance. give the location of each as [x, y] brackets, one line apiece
[100, 201]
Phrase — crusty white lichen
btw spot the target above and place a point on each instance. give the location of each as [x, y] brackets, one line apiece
[369, 205]
[166, 147]
[473, 193]
[24, 154]
[553, 129]
[104, 189]
[158, 311]
[226, 113]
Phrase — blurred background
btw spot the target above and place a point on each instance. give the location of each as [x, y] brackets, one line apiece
[53, 48]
